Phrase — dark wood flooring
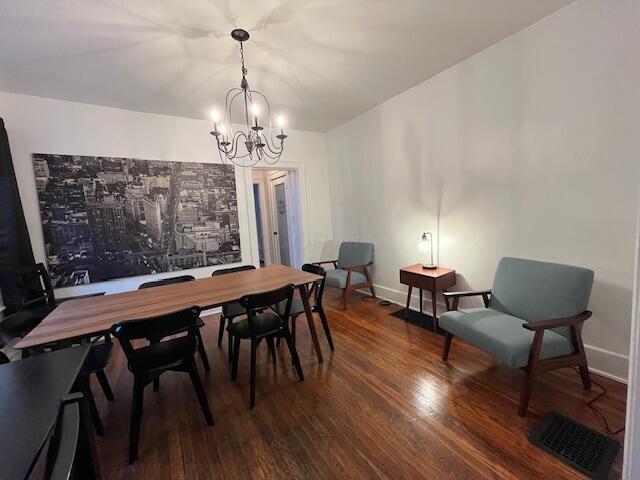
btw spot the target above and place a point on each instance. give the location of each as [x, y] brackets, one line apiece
[382, 405]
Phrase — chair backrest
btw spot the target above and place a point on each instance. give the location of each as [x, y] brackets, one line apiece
[318, 284]
[355, 253]
[156, 327]
[167, 281]
[224, 271]
[32, 285]
[534, 290]
[257, 302]
[61, 454]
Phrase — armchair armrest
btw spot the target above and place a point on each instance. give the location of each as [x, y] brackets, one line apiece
[456, 296]
[323, 262]
[557, 322]
[353, 267]
[470, 293]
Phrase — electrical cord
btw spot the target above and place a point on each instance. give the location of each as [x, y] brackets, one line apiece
[370, 299]
[603, 418]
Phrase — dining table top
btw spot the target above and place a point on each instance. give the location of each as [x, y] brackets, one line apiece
[96, 315]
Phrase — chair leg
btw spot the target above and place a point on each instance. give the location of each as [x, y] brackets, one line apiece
[325, 325]
[584, 374]
[202, 396]
[221, 329]
[292, 349]
[156, 381]
[344, 298]
[230, 352]
[136, 416]
[373, 290]
[104, 383]
[293, 328]
[236, 356]
[525, 394]
[447, 345]
[272, 348]
[85, 388]
[534, 354]
[203, 352]
[254, 347]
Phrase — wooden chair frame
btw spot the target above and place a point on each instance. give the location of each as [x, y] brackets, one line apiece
[349, 287]
[535, 365]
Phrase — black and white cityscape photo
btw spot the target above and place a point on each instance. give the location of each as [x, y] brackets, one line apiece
[106, 218]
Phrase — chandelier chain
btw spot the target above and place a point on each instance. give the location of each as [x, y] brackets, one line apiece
[243, 69]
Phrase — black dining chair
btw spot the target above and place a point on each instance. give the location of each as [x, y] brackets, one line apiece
[38, 300]
[199, 322]
[94, 364]
[32, 285]
[230, 310]
[63, 445]
[260, 324]
[297, 307]
[149, 362]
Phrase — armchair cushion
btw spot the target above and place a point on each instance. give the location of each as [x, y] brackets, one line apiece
[355, 253]
[533, 290]
[502, 335]
[338, 278]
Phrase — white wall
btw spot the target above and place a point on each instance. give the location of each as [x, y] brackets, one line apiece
[40, 125]
[528, 148]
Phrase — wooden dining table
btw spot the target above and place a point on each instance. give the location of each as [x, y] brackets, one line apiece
[93, 316]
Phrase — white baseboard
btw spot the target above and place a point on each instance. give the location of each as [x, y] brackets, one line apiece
[601, 362]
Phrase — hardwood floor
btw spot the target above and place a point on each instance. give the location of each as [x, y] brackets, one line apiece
[382, 405]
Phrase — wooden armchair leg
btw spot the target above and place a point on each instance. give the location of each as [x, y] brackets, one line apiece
[447, 345]
[525, 393]
[345, 292]
[584, 374]
[527, 386]
[578, 347]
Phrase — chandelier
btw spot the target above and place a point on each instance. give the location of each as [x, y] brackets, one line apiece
[251, 143]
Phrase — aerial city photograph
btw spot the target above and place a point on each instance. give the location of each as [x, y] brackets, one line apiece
[105, 218]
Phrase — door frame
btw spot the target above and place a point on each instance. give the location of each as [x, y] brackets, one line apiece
[298, 243]
[631, 463]
[277, 178]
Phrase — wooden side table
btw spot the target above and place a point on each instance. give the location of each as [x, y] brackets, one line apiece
[434, 280]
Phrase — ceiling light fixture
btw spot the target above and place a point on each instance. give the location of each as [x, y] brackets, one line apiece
[251, 144]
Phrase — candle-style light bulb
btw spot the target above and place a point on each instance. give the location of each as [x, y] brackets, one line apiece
[215, 116]
[280, 121]
[255, 109]
[222, 133]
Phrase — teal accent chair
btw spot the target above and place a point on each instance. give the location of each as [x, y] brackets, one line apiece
[532, 319]
[351, 269]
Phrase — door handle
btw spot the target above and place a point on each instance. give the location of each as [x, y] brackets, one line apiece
[275, 233]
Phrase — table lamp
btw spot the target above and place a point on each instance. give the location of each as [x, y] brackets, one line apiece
[424, 245]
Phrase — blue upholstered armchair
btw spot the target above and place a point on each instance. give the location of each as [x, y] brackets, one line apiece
[532, 319]
[351, 269]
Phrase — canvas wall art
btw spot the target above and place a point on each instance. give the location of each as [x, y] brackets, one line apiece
[105, 218]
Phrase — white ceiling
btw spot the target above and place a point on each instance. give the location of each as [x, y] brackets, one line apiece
[322, 62]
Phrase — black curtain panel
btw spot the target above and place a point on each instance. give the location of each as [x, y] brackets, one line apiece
[15, 245]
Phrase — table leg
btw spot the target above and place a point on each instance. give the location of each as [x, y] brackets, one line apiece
[312, 327]
[435, 310]
[420, 300]
[406, 310]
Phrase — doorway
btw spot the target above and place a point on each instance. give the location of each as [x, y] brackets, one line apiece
[278, 222]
